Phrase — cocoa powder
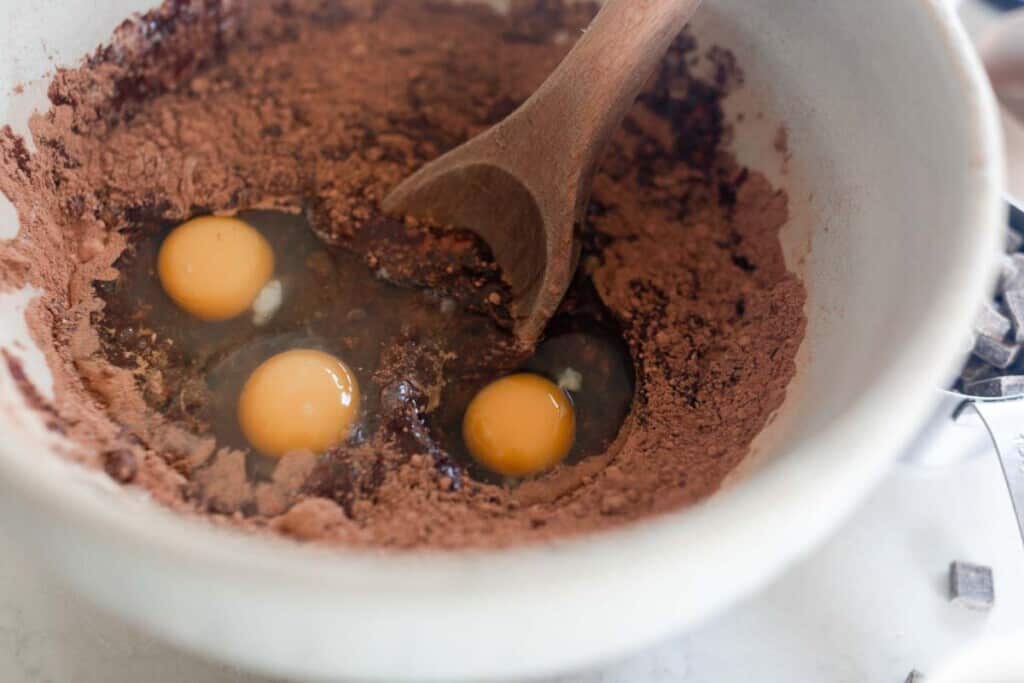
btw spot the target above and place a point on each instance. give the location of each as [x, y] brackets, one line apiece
[207, 106]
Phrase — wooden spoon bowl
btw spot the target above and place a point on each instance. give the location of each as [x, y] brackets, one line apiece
[523, 185]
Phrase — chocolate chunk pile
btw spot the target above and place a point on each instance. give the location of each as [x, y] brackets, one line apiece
[996, 367]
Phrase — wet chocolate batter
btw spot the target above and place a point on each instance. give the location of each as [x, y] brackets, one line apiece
[315, 110]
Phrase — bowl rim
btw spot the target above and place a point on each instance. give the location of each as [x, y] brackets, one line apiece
[835, 476]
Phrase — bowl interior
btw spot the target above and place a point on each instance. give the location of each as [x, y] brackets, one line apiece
[893, 188]
[877, 206]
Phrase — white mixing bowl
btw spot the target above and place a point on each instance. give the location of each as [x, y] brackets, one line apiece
[895, 192]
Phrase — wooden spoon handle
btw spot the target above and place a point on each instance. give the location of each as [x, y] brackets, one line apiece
[588, 95]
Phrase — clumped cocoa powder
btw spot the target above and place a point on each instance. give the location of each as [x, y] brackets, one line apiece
[217, 106]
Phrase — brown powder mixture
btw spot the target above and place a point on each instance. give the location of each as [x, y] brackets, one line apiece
[210, 106]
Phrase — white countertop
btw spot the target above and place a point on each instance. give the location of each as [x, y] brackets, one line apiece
[869, 605]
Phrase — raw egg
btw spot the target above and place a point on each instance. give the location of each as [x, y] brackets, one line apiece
[519, 425]
[301, 399]
[214, 266]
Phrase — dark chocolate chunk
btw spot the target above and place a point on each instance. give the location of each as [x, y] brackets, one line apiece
[1014, 241]
[976, 370]
[991, 323]
[1014, 300]
[971, 585]
[996, 387]
[994, 352]
[1011, 274]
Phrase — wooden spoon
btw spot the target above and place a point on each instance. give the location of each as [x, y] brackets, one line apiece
[524, 184]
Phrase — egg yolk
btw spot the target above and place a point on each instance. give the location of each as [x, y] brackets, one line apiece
[298, 400]
[519, 425]
[214, 266]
